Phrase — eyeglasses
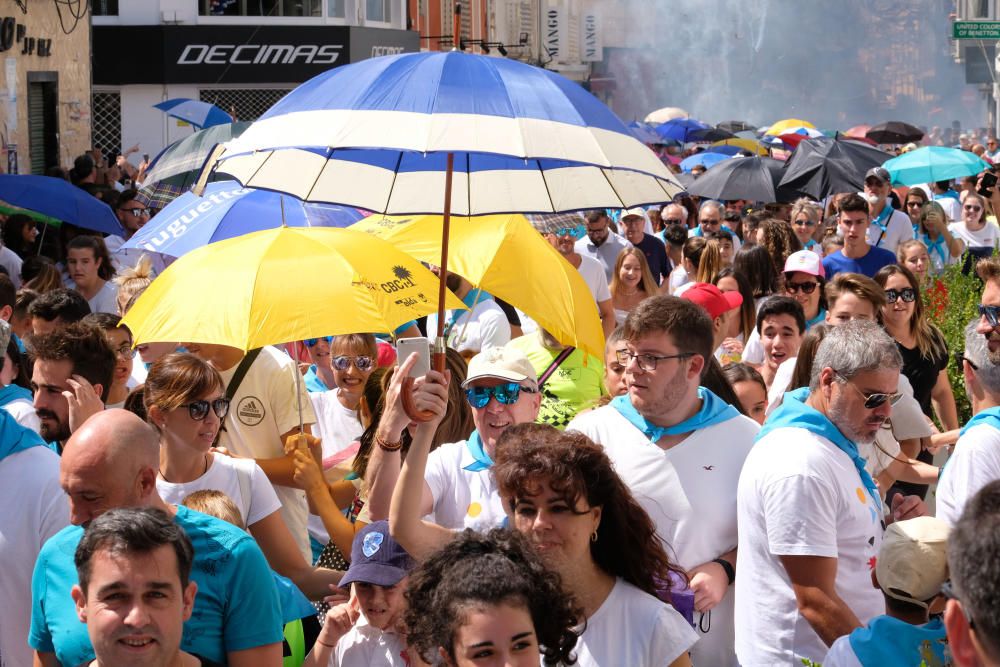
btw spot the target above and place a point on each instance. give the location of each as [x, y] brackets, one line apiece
[804, 223]
[807, 287]
[577, 232]
[126, 351]
[991, 313]
[343, 362]
[136, 212]
[914, 204]
[949, 592]
[506, 394]
[907, 294]
[969, 207]
[874, 400]
[311, 342]
[199, 409]
[673, 221]
[710, 221]
[960, 357]
[647, 362]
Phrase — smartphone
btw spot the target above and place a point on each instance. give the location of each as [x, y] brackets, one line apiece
[145, 158]
[986, 185]
[422, 346]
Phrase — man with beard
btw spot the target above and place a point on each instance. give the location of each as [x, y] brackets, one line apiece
[71, 377]
[989, 305]
[810, 517]
[602, 243]
[482, 326]
[680, 448]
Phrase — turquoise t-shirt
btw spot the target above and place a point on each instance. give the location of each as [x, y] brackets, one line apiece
[236, 607]
[313, 382]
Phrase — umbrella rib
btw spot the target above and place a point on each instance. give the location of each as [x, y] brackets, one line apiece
[319, 174]
[395, 175]
[548, 192]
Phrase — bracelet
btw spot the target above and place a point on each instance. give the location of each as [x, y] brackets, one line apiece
[730, 570]
[325, 644]
[388, 446]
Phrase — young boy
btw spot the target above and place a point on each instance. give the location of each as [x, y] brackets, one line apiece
[366, 629]
[911, 567]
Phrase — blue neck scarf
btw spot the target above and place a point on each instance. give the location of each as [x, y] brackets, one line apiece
[936, 247]
[12, 392]
[481, 460]
[713, 411]
[793, 412]
[989, 416]
[15, 438]
[890, 642]
[882, 220]
[820, 316]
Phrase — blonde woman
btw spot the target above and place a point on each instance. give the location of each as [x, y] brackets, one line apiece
[806, 217]
[943, 248]
[631, 282]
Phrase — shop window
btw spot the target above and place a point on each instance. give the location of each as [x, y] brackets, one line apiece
[378, 10]
[261, 7]
[243, 103]
[104, 7]
[337, 9]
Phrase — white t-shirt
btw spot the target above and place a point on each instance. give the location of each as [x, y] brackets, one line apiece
[593, 274]
[483, 327]
[952, 207]
[12, 262]
[254, 495]
[462, 499]
[800, 495]
[367, 646]
[779, 385]
[841, 654]
[974, 464]
[678, 277]
[880, 454]
[898, 229]
[987, 237]
[634, 628]
[265, 407]
[34, 509]
[338, 427]
[23, 411]
[689, 491]
[106, 299]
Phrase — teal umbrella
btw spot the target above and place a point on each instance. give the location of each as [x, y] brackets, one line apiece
[934, 163]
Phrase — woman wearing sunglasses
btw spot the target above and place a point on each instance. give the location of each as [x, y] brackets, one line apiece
[185, 403]
[973, 229]
[806, 216]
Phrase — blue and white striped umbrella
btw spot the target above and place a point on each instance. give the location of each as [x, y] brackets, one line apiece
[375, 135]
[199, 114]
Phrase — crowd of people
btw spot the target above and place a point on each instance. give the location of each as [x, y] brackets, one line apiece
[752, 474]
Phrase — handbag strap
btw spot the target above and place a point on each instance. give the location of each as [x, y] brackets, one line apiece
[241, 372]
[547, 373]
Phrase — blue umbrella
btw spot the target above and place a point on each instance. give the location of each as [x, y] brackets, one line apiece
[645, 133]
[197, 113]
[725, 149]
[680, 129]
[59, 199]
[705, 159]
[225, 210]
[932, 164]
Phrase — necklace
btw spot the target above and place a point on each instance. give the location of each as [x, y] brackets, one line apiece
[632, 293]
[164, 477]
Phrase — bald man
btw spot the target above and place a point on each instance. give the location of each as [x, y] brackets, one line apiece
[111, 462]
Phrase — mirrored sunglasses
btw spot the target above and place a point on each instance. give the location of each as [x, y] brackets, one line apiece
[199, 409]
[343, 362]
[506, 394]
[907, 294]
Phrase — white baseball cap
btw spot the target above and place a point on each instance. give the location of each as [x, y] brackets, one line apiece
[501, 363]
[913, 561]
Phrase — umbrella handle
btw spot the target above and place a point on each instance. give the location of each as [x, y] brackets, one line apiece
[438, 362]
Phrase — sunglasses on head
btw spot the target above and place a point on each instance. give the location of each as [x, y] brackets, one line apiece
[311, 342]
[991, 313]
[506, 394]
[343, 362]
[873, 400]
[199, 409]
[807, 287]
[577, 232]
[907, 294]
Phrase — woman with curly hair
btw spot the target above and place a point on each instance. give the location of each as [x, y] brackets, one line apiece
[779, 240]
[489, 597]
[561, 491]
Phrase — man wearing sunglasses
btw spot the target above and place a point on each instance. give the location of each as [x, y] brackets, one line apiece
[633, 223]
[602, 243]
[988, 271]
[562, 231]
[972, 615]
[858, 255]
[810, 515]
[888, 227]
[133, 214]
[679, 448]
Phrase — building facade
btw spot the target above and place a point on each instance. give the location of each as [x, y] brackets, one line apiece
[241, 55]
[45, 109]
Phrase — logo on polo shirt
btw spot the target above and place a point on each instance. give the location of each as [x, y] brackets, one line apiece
[250, 411]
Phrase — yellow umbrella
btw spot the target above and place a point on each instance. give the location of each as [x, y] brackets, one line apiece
[284, 284]
[505, 256]
[751, 145]
[782, 125]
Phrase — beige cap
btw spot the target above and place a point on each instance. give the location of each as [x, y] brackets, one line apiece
[638, 211]
[913, 561]
[502, 363]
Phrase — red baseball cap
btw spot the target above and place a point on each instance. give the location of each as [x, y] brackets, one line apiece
[711, 299]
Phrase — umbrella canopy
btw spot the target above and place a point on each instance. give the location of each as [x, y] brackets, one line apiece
[894, 132]
[236, 292]
[858, 131]
[704, 159]
[59, 199]
[751, 145]
[645, 132]
[665, 114]
[750, 178]
[681, 129]
[180, 162]
[724, 149]
[224, 211]
[735, 126]
[198, 114]
[934, 163]
[710, 134]
[788, 125]
[506, 257]
[825, 166]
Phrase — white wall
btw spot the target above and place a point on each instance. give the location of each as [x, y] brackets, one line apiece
[151, 128]
[155, 12]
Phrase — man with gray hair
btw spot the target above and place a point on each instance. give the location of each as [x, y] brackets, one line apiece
[976, 460]
[809, 516]
[711, 213]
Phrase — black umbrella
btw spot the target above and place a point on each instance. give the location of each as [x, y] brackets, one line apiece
[751, 178]
[894, 132]
[825, 166]
[710, 134]
[735, 126]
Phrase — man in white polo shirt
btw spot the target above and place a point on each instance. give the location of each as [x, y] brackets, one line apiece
[679, 448]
